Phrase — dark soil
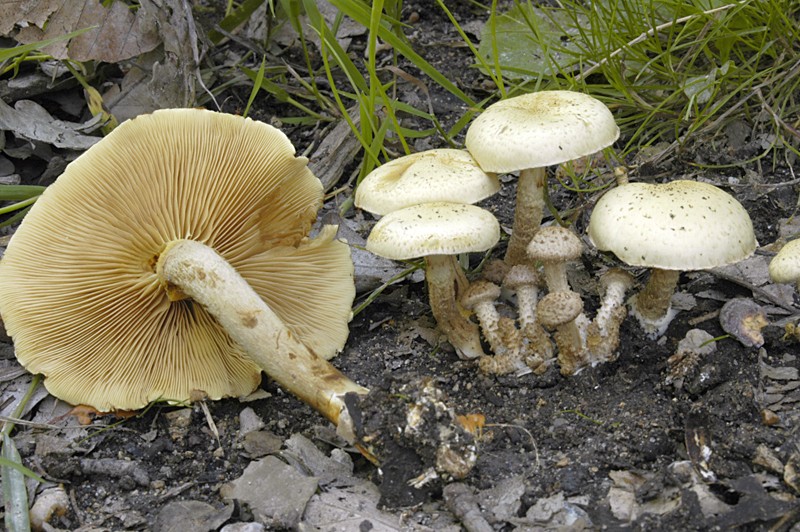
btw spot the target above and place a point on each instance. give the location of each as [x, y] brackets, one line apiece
[615, 442]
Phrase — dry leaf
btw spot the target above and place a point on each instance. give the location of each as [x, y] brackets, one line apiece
[29, 120]
[118, 32]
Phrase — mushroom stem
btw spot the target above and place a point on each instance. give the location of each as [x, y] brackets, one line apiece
[602, 337]
[652, 304]
[191, 269]
[446, 281]
[528, 213]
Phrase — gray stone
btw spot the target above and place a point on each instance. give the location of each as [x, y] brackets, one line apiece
[276, 493]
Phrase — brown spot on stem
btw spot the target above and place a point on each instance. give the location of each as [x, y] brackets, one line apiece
[249, 319]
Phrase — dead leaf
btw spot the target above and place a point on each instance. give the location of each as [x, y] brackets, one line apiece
[30, 121]
[118, 32]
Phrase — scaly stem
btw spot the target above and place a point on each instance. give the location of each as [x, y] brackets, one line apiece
[528, 214]
[446, 281]
[191, 269]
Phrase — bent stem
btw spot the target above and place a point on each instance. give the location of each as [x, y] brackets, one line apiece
[528, 213]
[446, 281]
[190, 269]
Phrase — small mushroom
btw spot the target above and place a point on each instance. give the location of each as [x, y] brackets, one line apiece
[428, 176]
[602, 336]
[523, 280]
[530, 132]
[561, 311]
[671, 227]
[554, 246]
[785, 266]
[438, 232]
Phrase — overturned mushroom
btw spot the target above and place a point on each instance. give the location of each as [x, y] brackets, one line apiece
[172, 260]
[529, 133]
[85, 300]
[671, 227]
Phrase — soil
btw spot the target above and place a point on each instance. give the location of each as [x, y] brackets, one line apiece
[614, 446]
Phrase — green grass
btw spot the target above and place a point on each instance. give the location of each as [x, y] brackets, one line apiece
[674, 71]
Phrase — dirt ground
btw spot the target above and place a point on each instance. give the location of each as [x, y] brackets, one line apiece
[636, 444]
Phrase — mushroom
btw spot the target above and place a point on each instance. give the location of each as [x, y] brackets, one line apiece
[554, 246]
[424, 177]
[433, 176]
[439, 231]
[602, 335]
[527, 133]
[785, 266]
[523, 280]
[671, 227]
[500, 332]
[561, 311]
[173, 258]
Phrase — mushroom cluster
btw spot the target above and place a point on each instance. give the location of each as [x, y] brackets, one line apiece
[426, 203]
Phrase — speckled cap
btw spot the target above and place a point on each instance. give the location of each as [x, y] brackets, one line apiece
[554, 243]
[785, 266]
[558, 308]
[433, 229]
[540, 129]
[680, 225]
[428, 176]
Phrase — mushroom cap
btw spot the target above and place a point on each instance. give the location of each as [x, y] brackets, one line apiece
[617, 276]
[554, 243]
[428, 176]
[521, 275]
[78, 291]
[480, 291]
[785, 266]
[540, 129]
[558, 308]
[680, 225]
[436, 228]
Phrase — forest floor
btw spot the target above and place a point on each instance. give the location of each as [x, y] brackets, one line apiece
[633, 443]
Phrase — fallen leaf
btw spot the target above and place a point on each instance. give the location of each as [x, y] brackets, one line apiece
[117, 31]
[30, 121]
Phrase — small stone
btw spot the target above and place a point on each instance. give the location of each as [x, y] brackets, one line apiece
[769, 418]
[743, 319]
[249, 421]
[243, 527]
[276, 493]
[261, 443]
[179, 422]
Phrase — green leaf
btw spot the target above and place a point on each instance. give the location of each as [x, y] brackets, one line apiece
[19, 192]
[8, 53]
[532, 41]
[15, 495]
